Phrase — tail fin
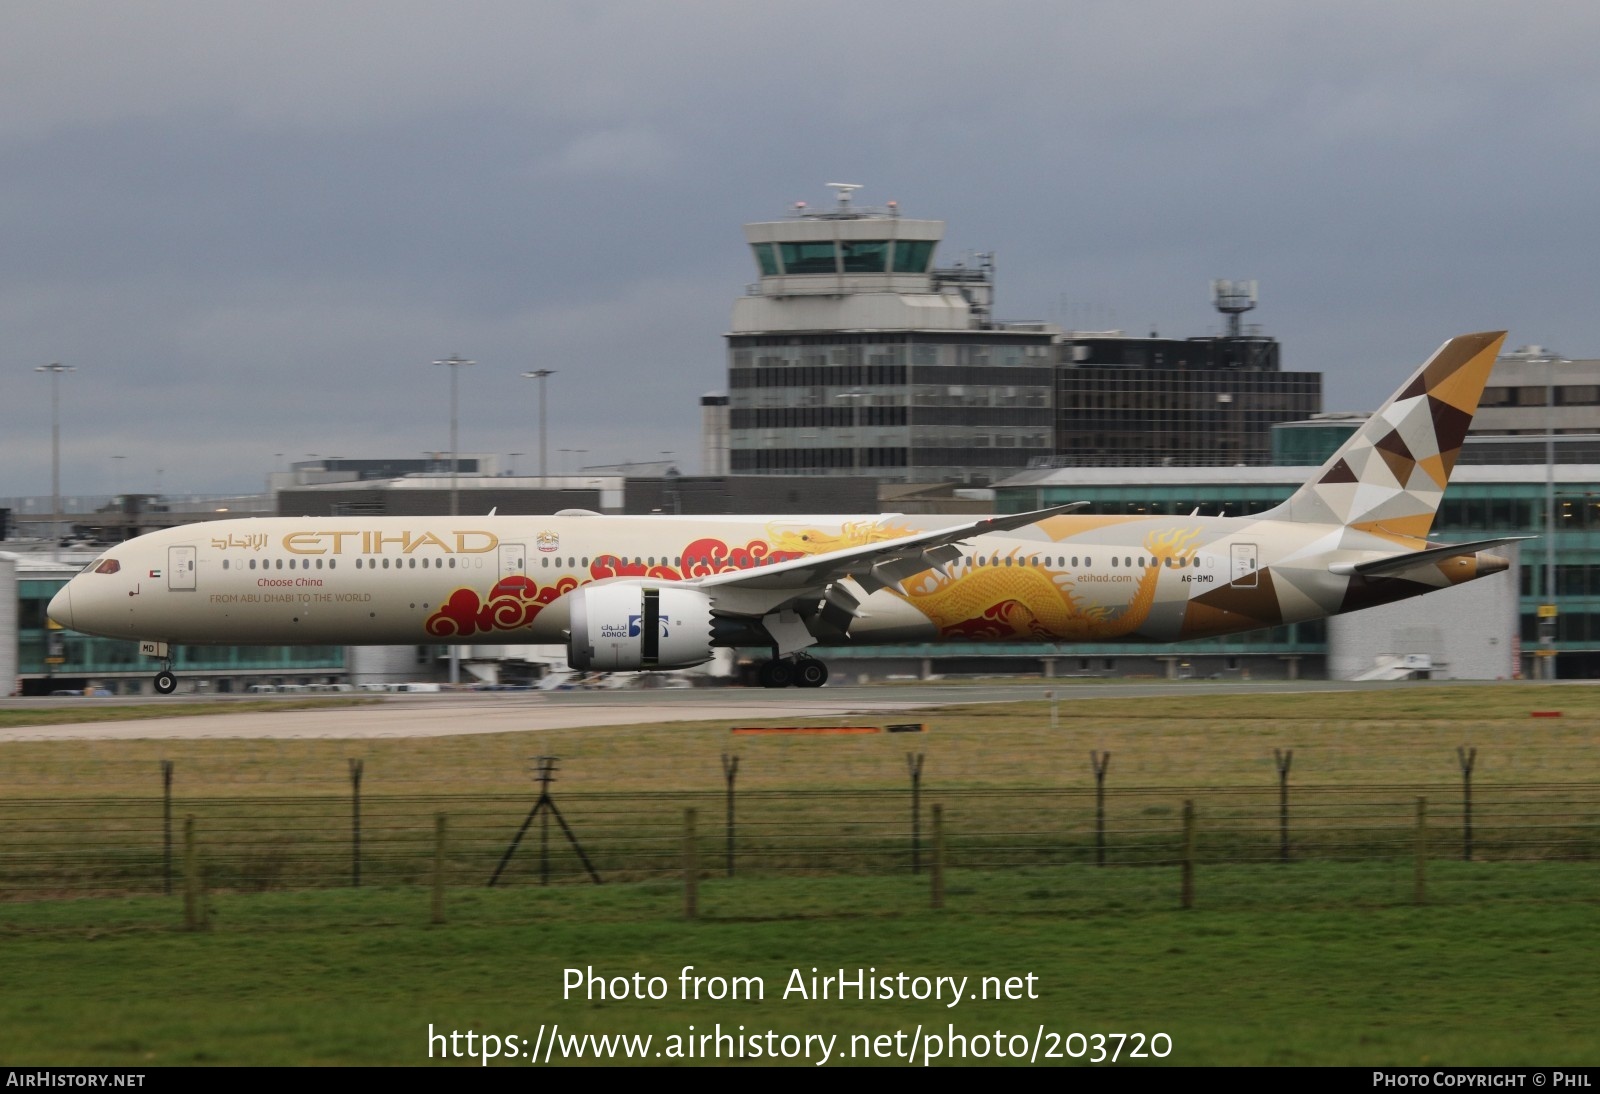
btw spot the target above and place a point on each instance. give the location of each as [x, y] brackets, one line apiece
[1389, 477]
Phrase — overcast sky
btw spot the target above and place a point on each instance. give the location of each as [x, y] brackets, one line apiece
[252, 227]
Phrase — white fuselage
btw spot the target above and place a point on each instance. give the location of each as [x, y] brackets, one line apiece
[393, 580]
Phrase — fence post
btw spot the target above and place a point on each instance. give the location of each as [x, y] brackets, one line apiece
[544, 845]
[166, 827]
[1187, 899]
[1283, 760]
[438, 868]
[1100, 761]
[938, 857]
[730, 768]
[194, 912]
[1468, 759]
[1419, 878]
[914, 765]
[355, 822]
[691, 868]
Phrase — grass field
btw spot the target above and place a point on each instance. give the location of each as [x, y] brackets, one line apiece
[1400, 736]
[1336, 971]
[1324, 960]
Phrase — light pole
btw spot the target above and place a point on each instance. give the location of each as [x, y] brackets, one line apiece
[55, 369]
[1547, 623]
[454, 363]
[541, 374]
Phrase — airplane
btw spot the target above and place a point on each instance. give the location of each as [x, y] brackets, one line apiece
[663, 592]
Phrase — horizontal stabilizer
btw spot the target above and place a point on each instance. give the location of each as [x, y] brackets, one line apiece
[1394, 564]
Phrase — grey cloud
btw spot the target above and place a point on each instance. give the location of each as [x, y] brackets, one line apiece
[253, 226]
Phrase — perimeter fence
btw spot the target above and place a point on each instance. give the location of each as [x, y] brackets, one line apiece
[60, 846]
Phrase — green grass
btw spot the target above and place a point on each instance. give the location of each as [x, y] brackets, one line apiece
[85, 817]
[1322, 961]
[1401, 736]
[1325, 964]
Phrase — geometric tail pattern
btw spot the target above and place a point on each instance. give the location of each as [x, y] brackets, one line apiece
[1388, 478]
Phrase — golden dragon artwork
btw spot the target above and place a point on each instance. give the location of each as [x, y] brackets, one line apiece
[856, 533]
[1037, 603]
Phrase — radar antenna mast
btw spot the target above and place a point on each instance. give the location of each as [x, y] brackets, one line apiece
[844, 190]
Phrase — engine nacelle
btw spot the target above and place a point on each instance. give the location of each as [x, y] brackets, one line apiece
[631, 625]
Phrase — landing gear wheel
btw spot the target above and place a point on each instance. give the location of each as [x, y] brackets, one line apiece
[777, 674]
[810, 673]
[166, 683]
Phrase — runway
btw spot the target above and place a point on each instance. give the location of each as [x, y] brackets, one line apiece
[520, 712]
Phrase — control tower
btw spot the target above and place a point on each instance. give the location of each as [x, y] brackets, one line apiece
[855, 355]
[848, 268]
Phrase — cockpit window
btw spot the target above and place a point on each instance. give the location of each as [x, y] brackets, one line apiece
[108, 566]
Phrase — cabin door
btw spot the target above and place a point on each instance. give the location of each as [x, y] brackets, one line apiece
[513, 560]
[181, 567]
[1244, 565]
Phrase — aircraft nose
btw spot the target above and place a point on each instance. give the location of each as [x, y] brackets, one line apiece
[60, 608]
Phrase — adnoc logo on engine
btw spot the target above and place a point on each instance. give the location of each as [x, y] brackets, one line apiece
[617, 630]
[636, 626]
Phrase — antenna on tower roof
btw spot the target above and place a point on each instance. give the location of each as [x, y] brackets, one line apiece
[1233, 299]
[845, 189]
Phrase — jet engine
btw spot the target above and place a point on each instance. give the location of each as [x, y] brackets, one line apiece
[630, 625]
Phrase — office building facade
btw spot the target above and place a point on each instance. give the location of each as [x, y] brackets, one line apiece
[1124, 402]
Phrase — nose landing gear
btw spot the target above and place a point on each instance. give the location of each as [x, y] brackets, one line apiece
[166, 682]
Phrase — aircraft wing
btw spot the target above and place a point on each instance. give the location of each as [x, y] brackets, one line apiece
[873, 566]
[1383, 567]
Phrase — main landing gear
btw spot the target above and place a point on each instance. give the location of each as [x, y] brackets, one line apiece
[798, 672]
